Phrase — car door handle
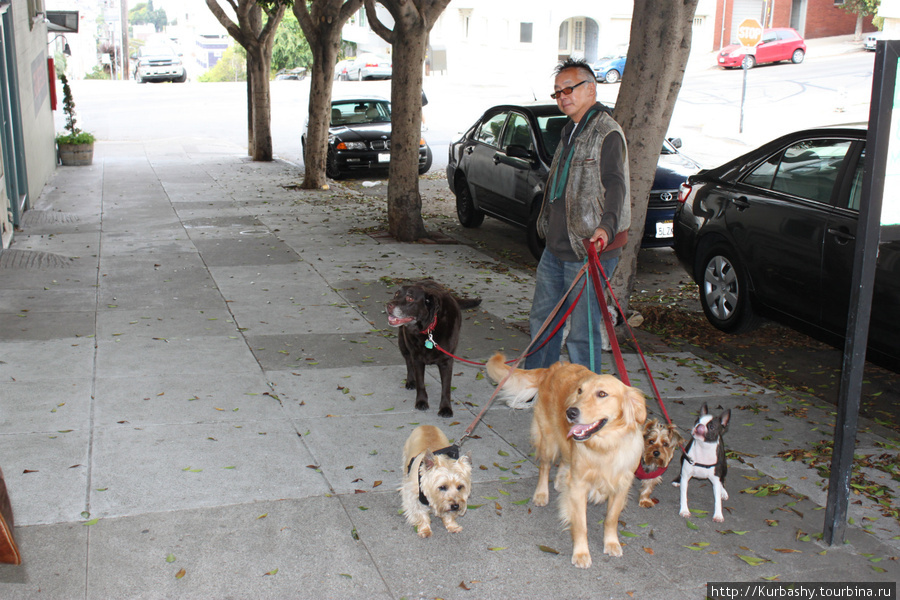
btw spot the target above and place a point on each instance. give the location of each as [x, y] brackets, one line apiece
[470, 149]
[843, 236]
[496, 158]
[741, 203]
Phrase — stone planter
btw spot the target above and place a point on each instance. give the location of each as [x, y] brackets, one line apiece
[76, 155]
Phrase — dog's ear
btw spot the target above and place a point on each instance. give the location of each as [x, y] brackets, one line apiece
[677, 438]
[466, 459]
[636, 404]
[725, 417]
[704, 410]
[429, 460]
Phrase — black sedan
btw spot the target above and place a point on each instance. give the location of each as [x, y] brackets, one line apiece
[773, 233]
[359, 137]
[500, 167]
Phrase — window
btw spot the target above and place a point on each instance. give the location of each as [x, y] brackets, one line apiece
[808, 169]
[517, 133]
[489, 132]
[579, 36]
[525, 32]
[35, 8]
[856, 188]
[551, 131]
[564, 36]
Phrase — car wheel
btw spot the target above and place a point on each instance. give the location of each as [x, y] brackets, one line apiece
[138, 78]
[535, 242]
[725, 291]
[797, 56]
[331, 168]
[468, 215]
[423, 168]
[181, 79]
[749, 60]
[612, 76]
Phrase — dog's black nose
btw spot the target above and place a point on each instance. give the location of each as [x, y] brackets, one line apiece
[572, 414]
[656, 453]
[454, 506]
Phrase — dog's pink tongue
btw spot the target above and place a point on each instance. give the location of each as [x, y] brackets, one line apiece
[395, 321]
[578, 430]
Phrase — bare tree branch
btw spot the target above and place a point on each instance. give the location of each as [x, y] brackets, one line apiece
[377, 26]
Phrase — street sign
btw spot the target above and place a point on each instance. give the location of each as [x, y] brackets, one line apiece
[749, 33]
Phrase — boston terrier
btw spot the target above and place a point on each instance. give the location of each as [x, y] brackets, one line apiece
[704, 458]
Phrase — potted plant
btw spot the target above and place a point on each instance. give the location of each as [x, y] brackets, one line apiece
[75, 147]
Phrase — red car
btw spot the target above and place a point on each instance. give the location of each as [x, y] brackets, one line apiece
[780, 43]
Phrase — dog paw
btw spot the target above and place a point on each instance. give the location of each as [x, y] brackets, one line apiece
[612, 548]
[445, 412]
[423, 405]
[454, 527]
[541, 499]
[424, 532]
[718, 518]
[685, 513]
[410, 385]
[648, 502]
[582, 560]
[724, 494]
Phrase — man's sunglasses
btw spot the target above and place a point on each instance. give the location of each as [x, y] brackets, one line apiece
[566, 90]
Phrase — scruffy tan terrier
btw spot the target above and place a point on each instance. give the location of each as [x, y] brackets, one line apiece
[436, 480]
[660, 442]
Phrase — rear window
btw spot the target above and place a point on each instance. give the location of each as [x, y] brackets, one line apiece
[551, 130]
[807, 169]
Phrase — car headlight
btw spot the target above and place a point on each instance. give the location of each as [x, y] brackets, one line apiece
[351, 146]
[736, 53]
[421, 142]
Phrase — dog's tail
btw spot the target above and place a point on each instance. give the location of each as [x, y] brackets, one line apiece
[467, 303]
[520, 389]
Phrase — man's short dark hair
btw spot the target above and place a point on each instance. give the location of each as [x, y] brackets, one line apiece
[576, 63]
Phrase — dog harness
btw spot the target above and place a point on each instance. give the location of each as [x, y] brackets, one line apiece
[641, 473]
[451, 451]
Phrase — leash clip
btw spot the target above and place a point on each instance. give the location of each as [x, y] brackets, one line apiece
[429, 343]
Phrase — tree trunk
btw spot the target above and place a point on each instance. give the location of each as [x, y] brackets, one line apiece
[404, 201]
[657, 55]
[325, 54]
[261, 102]
[857, 34]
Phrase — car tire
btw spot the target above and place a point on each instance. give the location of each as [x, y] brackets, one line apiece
[331, 168]
[428, 160]
[468, 215]
[181, 79]
[725, 291]
[612, 76]
[797, 56]
[750, 60]
[535, 242]
[138, 78]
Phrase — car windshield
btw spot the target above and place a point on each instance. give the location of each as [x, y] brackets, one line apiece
[157, 51]
[359, 112]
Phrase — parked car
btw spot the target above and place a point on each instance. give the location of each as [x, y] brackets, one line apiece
[609, 69]
[340, 69]
[359, 137]
[781, 43]
[158, 63]
[296, 74]
[500, 166]
[773, 233]
[369, 66]
[872, 40]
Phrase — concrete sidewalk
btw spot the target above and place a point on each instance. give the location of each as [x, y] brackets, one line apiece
[200, 398]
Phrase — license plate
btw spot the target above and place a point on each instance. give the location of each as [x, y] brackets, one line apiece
[384, 157]
[665, 229]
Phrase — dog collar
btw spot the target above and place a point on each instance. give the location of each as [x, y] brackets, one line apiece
[451, 451]
[431, 327]
[641, 473]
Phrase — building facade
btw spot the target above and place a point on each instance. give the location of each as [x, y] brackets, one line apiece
[26, 124]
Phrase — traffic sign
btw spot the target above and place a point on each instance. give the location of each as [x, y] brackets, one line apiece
[749, 32]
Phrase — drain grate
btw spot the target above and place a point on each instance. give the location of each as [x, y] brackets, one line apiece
[47, 217]
[33, 259]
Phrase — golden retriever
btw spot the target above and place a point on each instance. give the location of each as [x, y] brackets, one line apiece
[593, 425]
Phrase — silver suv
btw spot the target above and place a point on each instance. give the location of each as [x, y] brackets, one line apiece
[159, 63]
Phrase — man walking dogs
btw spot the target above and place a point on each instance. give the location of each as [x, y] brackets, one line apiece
[587, 196]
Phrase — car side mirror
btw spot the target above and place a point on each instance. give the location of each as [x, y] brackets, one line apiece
[517, 151]
[675, 141]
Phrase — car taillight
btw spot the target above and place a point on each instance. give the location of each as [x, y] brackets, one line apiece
[684, 191]
[371, 64]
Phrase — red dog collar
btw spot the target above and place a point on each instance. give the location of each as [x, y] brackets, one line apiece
[642, 474]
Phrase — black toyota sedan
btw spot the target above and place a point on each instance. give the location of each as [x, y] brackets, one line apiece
[500, 165]
[773, 233]
[359, 137]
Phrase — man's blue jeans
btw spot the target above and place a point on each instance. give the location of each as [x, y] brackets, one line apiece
[554, 276]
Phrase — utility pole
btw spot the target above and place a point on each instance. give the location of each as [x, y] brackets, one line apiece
[125, 55]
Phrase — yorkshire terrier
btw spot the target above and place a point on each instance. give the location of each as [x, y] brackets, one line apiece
[436, 480]
[660, 442]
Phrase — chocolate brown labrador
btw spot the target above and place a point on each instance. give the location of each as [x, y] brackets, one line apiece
[428, 316]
